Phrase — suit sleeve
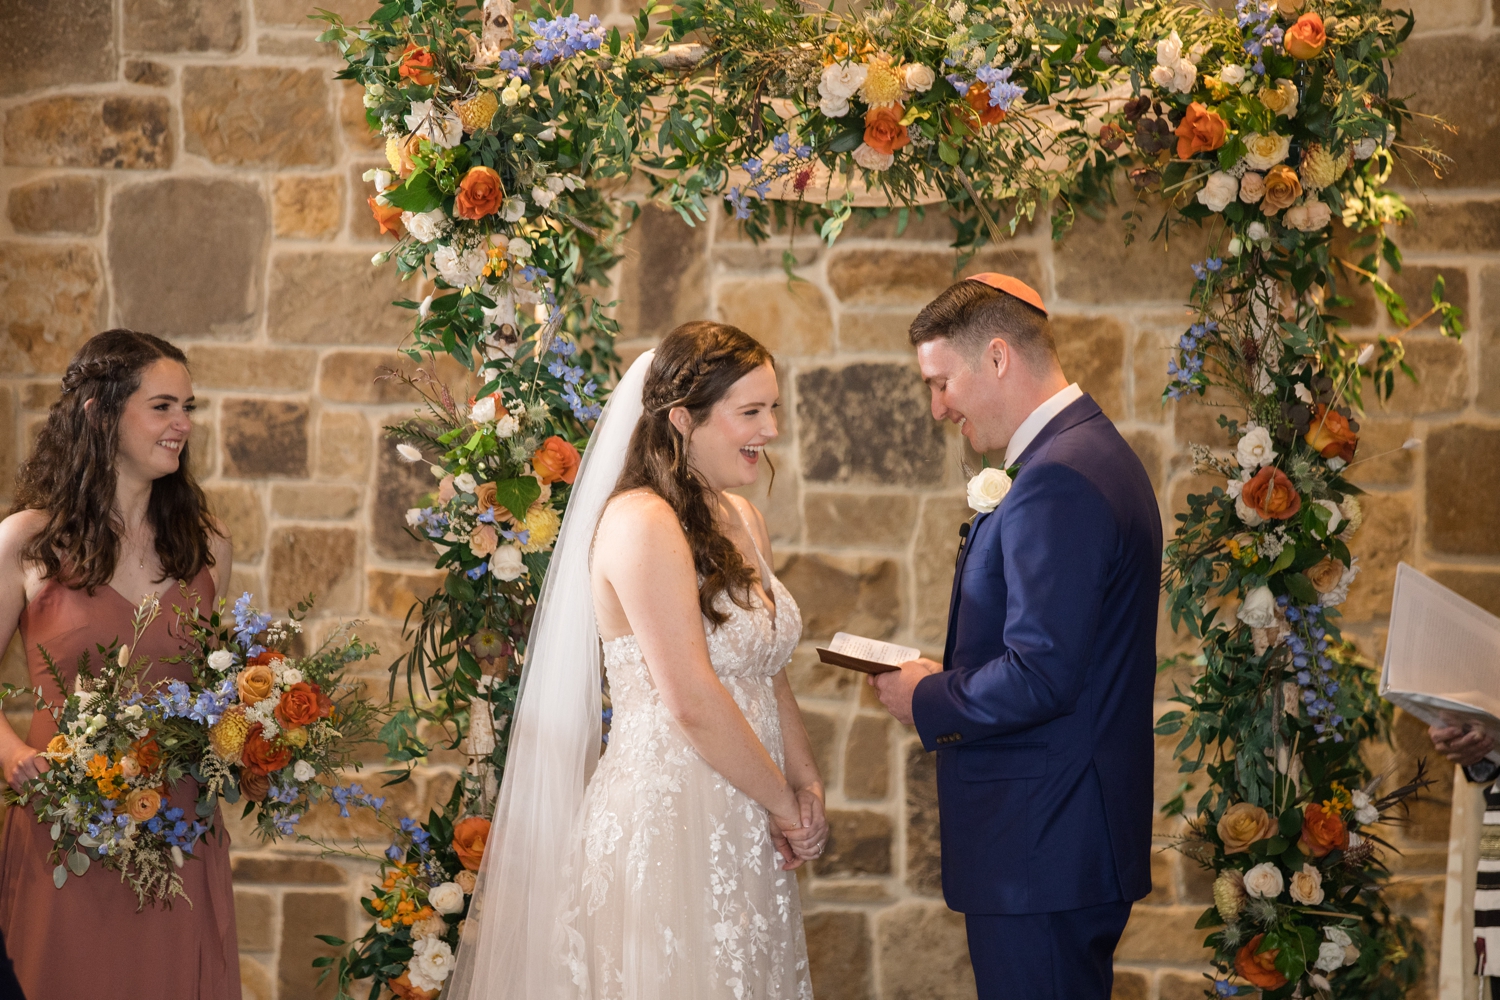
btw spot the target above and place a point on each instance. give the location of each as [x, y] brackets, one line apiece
[1059, 538]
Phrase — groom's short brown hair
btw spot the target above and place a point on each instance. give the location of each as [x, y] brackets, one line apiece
[970, 314]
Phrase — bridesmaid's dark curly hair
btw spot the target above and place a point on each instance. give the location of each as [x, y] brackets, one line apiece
[71, 473]
[694, 367]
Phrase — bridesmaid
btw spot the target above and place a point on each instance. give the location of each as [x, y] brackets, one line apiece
[106, 512]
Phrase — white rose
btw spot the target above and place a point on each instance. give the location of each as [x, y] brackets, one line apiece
[1257, 231]
[1335, 518]
[437, 125]
[1232, 74]
[506, 563]
[1365, 148]
[1255, 448]
[483, 411]
[446, 898]
[872, 159]
[221, 660]
[425, 226]
[987, 489]
[1236, 490]
[1288, 91]
[465, 483]
[842, 80]
[1340, 593]
[506, 426]
[1258, 610]
[1264, 881]
[1184, 75]
[303, 771]
[1365, 813]
[460, 267]
[919, 77]
[513, 209]
[413, 516]
[1262, 152]
[1307, 886]
[1221, 189]
[432, 959]
[1330, 956]
[291, 675]
[1310, 216]
[834, 107]
[555, 184]
[518, 248]
[542, 196]
[1168, 50]
[1338, 935]
[1162, 76]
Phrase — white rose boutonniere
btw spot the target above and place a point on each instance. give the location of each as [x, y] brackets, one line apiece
[987, 489]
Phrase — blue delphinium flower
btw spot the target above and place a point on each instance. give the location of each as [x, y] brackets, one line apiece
[1003, 93]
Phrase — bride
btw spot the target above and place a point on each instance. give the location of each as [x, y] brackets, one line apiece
[667, 873]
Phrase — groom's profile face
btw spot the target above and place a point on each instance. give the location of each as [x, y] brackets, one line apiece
[966, 390]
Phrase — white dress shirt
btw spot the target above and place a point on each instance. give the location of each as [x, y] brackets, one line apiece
[1039, 418]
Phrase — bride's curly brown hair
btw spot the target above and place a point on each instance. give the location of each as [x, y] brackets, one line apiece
[71, 477]
[694, 367]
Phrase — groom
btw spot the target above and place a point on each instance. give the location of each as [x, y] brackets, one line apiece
[1041, 710]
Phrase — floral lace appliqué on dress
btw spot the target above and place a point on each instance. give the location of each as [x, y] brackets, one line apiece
[675, 890]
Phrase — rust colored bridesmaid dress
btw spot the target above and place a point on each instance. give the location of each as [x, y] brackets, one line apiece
[87, 939]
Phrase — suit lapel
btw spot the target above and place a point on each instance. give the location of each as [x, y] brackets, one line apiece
[958, 572]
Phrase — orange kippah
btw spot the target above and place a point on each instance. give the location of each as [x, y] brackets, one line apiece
[1010, 286]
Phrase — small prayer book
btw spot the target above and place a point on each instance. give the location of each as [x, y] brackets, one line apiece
[870, 656]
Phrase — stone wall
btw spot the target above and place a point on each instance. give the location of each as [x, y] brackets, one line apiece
[192, 169]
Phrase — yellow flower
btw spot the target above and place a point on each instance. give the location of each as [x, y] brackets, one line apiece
[294, 737]
[227, 736]
[1319, 169]
[542, 522]
[883, 85]
[59, 747]
[478, 111]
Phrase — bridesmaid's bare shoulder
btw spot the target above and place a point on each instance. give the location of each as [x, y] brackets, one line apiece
[16, 531]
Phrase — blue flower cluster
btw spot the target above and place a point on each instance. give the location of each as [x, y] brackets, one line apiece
[249, 623]
[176, 702]
[783, 145]
[739, 199]
[510, 62]
[1003, 93]
[1257, 16]
[578, 394]
[1189, 361]
[959, 83]
[177, 830]
[1308, 645]
[420, 839]
[1203, 269]
[530, 273]
[563, 38]
[431, 522]
[355, 795]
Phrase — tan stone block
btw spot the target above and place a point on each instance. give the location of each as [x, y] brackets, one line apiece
[234, 366]
[1094, 264]
[924, 871]
[838, 954]
[1092, 352]
[275, 869]
[927, 223]
[239, 508]
[858, 889]
[1468, 100]
[844, 594]
[790, 319]
[391, 595]
[399, 486]
[868, 423]
[60, 204]
[355, 127]
[254, 915]
[258, 116]
[304, 915]
[1350, 284]
[147, 73]
[872, 330]
[317, 561]
[811, 678]
[1152, 350]
[1147, 446]
[308, 207]
[1414, 283]
[130, 133]
[1417, 897]
[664, 278]
[344, 442]
[867, 758]
[1195, 419]
[1380, 460]
[1163, 934]
[1480, 586]
[255, 981]
[353, 376]
[766, 257]
[860, 520]
[10, 454]
[40, 395]
[264, 437]
[315, 501]
[776, 499]
[1174, 985]
[1463, 489]
[245, 578]
[65, 42]
[924, 953]
[177, 275]
[933, 560]
[178, 26]
[52, 299]
[822, 735]
[1427, 820]
[1437, 15]
[336, 297]
[305, 48]
[1130, 984]
[296, 13]
[202, 451]
[1442, 385]
[887, 276]
[1163, 879]
[1452, 227]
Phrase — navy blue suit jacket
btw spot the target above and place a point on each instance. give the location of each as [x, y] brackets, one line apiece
[1041, 718]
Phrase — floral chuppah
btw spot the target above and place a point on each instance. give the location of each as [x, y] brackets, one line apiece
[1262, 126]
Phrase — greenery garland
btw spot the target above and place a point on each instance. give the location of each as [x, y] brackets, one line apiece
[1261, 126]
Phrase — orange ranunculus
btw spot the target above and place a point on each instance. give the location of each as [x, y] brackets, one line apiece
[402, 987]
[1329, 434]
[255, 683]
[479, 193]
[142, 804]
[978, 99]
[261, 756]
[388, 217]
[1270, 494]
[302, 704]
[469, 837]
[265, 657]
[884, 132]
[1260, 969]
[555, 461]
[1306, 38]
[1201, 131]
[146, 752]
[416, 66]
[1322, 831]
[254, 786]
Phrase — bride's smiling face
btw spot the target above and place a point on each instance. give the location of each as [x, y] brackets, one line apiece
[725, 449]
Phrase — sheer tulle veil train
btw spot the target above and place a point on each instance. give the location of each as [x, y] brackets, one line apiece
[511, 941]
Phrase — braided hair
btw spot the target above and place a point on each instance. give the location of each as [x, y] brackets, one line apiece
[695, 366]
[71, 474]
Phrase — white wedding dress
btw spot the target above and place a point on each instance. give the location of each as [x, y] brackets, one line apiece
[673, 890]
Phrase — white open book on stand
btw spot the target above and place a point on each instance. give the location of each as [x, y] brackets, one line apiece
[869, 655]
[1442, 657]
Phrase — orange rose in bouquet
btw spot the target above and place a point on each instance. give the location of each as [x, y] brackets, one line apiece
[262, 756]
[416, 66]
[265, 657]
[1306, 38]
[978, 99]
[1201, 131]
[1330, 434]
[254, 787]
[402, 987]
[302, 704]
[388, 217]
[469, 837]
[479, 193]
[555, 461]
[1259, 969]
[146, 752]
[1322, 831]
[1270, 494]
[884, 132]
[255, 683]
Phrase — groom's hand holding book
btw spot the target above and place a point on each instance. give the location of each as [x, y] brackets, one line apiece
[895, 688]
